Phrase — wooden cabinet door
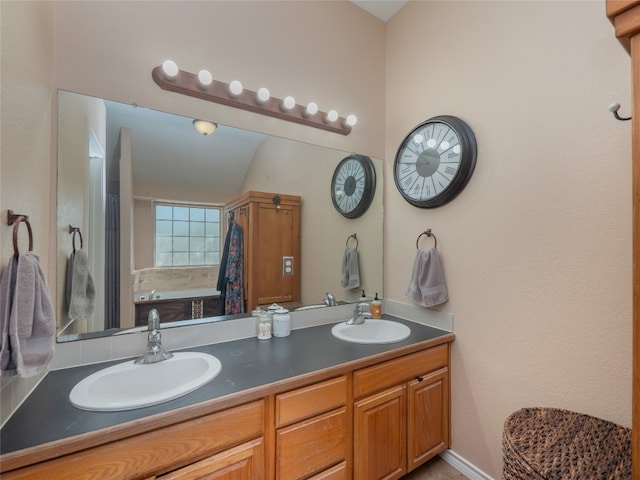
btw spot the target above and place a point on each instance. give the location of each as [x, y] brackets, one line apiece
[244, 462]
[380, 435]
[428, 417]
[278, 237]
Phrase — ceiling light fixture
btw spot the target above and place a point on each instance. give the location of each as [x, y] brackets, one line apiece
[203, 86]
[204, 127]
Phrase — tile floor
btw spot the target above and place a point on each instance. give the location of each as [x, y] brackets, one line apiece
[435, 469]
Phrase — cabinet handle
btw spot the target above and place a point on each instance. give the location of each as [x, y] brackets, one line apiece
[420, 379]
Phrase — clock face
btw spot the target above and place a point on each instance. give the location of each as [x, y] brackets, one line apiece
[435, 161]
[353, 185]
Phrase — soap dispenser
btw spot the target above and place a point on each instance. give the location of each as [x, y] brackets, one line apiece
[376, 307]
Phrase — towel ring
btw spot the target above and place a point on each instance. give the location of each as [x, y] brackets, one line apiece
[73, 230]
[15, 219]
[428, 233]
[354, 237]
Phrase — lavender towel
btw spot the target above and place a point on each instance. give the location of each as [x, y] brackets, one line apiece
[27, 319]
[427, 286]
[350, 269]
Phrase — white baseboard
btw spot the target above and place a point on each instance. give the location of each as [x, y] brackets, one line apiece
[463, 466]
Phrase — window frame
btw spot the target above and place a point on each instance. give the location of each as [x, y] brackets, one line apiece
[175, 204]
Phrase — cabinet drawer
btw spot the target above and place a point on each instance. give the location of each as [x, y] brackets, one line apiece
[157, 451]
[384, 375]
[308, 401]
[311, 446]
[339, 472]
[245, 461]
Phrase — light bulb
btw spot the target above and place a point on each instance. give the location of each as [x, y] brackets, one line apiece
[288, 103]
[331, 116]
[310, 109]
[351, 120]
[205, 78]
[170, 69]
[235, 88]
[263, 95]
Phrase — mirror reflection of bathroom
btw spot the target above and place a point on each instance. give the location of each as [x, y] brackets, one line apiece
[149, 173]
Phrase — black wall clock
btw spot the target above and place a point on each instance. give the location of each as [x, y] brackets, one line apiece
[353, 185]
[435, 161]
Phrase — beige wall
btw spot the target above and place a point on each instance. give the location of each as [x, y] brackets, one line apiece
[537, 248]
[82, 116]
[296, 168]
[328, 52]
[26, 176]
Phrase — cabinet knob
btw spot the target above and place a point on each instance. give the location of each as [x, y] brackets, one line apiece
[420, 379]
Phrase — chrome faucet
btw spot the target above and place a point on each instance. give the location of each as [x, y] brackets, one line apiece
[155, 353]
[330, 301]
[360, 313]
[152, 295]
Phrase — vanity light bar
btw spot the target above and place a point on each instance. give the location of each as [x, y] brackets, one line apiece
[187, 83]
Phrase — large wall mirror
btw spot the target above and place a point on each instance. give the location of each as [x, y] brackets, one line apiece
[118, 164]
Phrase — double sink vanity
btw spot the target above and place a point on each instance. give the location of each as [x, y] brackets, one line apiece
[331, 401]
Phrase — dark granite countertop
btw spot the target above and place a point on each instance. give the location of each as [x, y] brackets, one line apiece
[47, 415]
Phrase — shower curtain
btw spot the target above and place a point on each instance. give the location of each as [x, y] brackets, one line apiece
[112, 263]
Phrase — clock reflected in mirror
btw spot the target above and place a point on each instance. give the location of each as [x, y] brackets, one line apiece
[353, 185]
[435, 161]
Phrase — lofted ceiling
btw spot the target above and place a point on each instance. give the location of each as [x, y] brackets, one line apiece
[383, 9]
[169, 152]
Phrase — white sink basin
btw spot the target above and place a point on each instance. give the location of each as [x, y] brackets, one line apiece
[126, 386]
[371, 331]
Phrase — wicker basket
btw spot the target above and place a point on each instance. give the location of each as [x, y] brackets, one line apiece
[555, 444]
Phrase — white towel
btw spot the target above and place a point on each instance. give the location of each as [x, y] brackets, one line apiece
[350, 269]
[80, 291]
[27, 318]
[427, 286]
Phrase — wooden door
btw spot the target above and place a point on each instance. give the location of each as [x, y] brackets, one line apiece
[428, 414]
[244, 462]
[380, 435]
[277, 237]
[625, 16]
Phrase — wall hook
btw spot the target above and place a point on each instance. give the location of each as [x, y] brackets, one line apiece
[613, 108]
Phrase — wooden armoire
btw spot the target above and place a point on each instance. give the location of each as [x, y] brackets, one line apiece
[625, 16]
[271, 246]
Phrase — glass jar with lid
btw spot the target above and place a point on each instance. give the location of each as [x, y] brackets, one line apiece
[281, 323]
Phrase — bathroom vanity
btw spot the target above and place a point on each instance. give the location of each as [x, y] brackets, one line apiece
[308, 406]
[176, 309]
